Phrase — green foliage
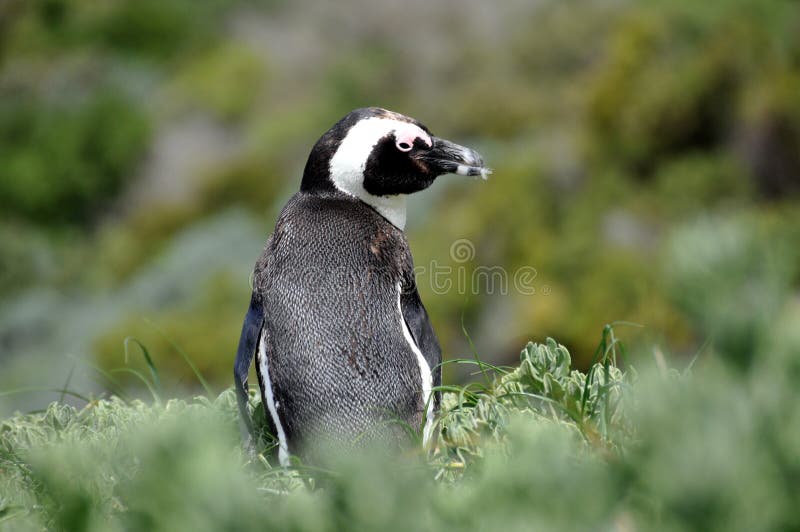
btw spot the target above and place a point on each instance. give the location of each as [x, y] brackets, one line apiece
[84, 465]
[217, 312]
[147, 28]
[23, 250]
[352, 81]
[732, 277]
[63, 160]
[543, 388]
[709, 450]
[609, 126]
[126, 248]
[106, 464]
[248, 182]
[72, 121]
[680, 80]
[646, 159]
[206, 81]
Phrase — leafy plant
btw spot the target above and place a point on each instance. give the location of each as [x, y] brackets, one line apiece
[63, 160]
[541, 445]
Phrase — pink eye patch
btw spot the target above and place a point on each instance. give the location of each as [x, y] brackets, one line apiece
[406, 134]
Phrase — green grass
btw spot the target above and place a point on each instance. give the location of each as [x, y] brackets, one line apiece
[541, 446]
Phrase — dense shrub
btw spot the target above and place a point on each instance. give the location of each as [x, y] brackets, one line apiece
[541, 446]
[64, 160]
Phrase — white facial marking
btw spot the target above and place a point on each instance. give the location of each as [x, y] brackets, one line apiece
[424, 370]
[348, 163]
[272, 404]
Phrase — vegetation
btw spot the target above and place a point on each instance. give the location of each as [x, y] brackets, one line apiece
[123, 139]
[52, 171]
[542, 447]
[646, 173]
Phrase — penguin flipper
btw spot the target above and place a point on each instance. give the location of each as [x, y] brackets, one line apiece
[251, 329]
[418, 323]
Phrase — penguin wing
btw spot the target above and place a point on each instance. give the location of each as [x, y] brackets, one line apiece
[418, 323]
[251, 330]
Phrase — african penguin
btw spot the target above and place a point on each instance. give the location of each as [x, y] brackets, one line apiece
[345, 353]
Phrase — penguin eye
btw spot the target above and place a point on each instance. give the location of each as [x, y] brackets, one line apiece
[403, 146]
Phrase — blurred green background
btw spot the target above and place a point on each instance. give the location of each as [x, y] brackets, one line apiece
[146, 147]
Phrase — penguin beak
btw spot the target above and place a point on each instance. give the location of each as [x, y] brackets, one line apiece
[446, 157]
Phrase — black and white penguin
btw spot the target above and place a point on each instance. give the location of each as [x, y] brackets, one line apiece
[344, 348]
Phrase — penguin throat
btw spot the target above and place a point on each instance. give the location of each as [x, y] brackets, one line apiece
[393, 208]
[351, 181]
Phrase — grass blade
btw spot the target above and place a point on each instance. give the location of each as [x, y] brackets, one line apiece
[66, 383]
[200, 378]
[147, 358]
[27, 389]
[147, 383]
[472, 347]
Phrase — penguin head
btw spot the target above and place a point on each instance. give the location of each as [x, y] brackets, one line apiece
[379, 157]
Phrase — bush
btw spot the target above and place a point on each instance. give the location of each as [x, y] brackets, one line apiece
[542, 446]
[63, 160]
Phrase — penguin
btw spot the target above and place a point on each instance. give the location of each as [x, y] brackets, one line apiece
[344, 350]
